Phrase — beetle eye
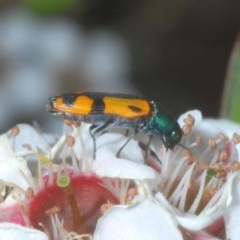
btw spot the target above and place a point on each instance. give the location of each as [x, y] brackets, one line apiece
[176, 136]
[172, 138]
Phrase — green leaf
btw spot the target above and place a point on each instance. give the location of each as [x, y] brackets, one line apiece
[230, 107]
[50, 7]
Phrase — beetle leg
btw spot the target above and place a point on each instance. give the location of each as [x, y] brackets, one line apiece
[150, 151]
[134, 132]
[148, 147]
[93, 131]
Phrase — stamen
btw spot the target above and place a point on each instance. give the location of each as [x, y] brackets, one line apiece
[72, 123]
[236, 138]
[75, 236]
[203, 166]
[45, 230]
[235, 166]
[74, 161]
[190, 158]
[180, 192]
[2, 186]
[15, 131]
[43, 160]
[221, 174]
[11, 186]
[223, 156]
[186, 129]
[53, 210]
[216, 167]
[64, 182]
[198, 141]
[190, 116]
[70, 140]
[197, 199]
[172, 177]
[132, 192]
[217, 171]
[214, 158]
[223, 137]
[76, 124]
[118, 187]
[29, 193]
[105, 207]
[189, 120]
[57, 226]
[212, 143]
[215, 197]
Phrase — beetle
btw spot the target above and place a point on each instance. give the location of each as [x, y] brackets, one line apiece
[120, 110]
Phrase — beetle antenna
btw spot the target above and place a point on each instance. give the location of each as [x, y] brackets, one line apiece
[179, 144]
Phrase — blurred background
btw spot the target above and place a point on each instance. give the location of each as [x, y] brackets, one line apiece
[175, 52]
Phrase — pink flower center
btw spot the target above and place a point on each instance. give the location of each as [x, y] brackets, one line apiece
[77, 204]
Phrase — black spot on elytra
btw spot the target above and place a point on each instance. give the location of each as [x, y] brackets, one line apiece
[98, 105]
[69, 98]
[134, 108]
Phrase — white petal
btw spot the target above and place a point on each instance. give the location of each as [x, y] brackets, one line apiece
[208, 216]
[207, 129]
[227, 127]
[142, 221]
[232, 214]
[109, 166]
[10, 231]
[195, 113]
[11, 211]
[109, 142]
[11, 166]
[28, 135]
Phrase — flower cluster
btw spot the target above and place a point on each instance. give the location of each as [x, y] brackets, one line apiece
[53, 188]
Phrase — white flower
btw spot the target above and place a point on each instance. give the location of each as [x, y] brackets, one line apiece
[197, 186]
[227, 126]
[14, 231]
[145, 220]
[231, 215]
[78, 197]
[128, 166]
[12, 167]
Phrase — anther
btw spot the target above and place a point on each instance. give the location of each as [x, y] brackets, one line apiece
[15, 131]
[223, 156]
[131, 193]
[216, 167]
[70, 140]
[189, 120]
[104, 207]
[72, 123]
[29, 193]
[203, 166]
[236, 138]
[198, 139]
[223, 137]
[53, 210]
[235, 166]
[212, 143]
[186, 129]
[27, 146]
